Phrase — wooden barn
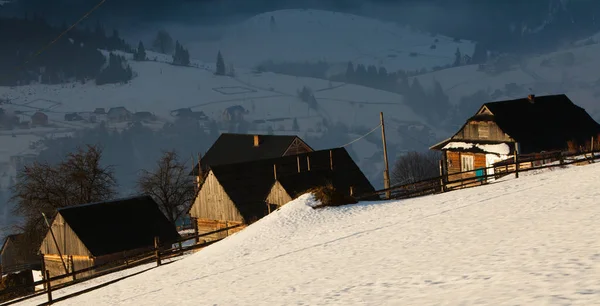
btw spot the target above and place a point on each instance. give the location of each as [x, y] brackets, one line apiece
[527, 125]
[232, 148]
[92, 234]
[17, 255]
[237, 193]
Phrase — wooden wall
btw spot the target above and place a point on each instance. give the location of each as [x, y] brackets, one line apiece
[54, 264]
[278, 196]
[207, 225]
[213, 203]
[482, 130]
[453, 160]
[67, 240]
[297, 147]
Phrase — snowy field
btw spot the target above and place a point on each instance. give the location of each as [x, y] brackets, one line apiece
[572, 71]
[300, 35]
[528, 241]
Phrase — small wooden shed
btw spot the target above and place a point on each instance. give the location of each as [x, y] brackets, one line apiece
[237, 193]
[17, 255]
[93, 234]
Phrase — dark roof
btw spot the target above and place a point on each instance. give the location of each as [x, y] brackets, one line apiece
[237, 148]
[119, 225]
[22, 249]
[340, 178]
[248, 184]
[545, 124]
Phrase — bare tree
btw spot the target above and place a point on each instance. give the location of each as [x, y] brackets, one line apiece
[43, 188]
[169, 185]
[415, 166]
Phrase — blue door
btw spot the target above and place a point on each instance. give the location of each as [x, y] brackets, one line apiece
[480, 174]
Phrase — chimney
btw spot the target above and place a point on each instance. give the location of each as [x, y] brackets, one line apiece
[531, 98]
[256, 140]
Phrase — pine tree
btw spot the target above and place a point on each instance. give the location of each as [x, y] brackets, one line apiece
[140, 54]
[350, 73]
[220, 64]
[457, 58]
[295, 126]
[272, 24]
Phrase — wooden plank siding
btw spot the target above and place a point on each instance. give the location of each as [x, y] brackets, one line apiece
[207, 225]
[482, 130]
[67, 240]
[278, 196]
[454, 165]
[213, 203]
[53, 263]
[297, 147]
[213, 210]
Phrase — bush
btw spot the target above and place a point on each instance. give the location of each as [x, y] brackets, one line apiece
[328, 196]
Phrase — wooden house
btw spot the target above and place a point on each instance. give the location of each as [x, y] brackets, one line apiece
[242, 193]
[118, 114]
[528, 125]
[93, 234]
[17, 255]
[236, 148]
[39, 119]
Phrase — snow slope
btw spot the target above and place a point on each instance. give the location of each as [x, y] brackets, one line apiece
[571, 71]
[529, 241]
[310, 35]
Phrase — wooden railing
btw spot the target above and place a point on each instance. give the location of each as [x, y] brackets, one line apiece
[157, 254]
[452, 181]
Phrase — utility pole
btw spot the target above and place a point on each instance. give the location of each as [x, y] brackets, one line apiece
[386, 170]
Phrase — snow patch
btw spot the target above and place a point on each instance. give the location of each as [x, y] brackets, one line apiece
[499, 149]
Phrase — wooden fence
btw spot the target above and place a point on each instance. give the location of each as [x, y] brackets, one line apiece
[476, 177]
[157, 254]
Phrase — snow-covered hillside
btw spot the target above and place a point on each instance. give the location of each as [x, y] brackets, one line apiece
[528, 241]
[300, 35]
[267, 98]
[571, 71]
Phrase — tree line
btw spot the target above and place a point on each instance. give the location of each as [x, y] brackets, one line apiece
[73, 57]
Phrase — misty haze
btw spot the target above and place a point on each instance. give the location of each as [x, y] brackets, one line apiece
[345, 152]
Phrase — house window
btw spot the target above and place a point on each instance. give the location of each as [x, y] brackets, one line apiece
[466, 162]
[483, 131]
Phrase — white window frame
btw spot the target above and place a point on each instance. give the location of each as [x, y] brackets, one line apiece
[467, 163]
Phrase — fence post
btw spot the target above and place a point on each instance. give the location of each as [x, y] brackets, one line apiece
[442, 186]
[516, 160]
[48, 286]
[157, 251]
[592, 150]
[72, 262]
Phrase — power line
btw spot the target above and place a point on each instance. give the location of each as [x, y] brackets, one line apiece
[363, 136]
[41, 50]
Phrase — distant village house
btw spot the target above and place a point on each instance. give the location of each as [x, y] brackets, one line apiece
[118, 114]
[39, 119]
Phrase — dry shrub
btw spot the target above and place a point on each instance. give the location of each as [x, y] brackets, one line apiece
[15, 280]
[327, 195]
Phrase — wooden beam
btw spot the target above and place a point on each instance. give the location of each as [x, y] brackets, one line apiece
[331, 159]
[275, 171]
[308, 162]
[298, 162]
